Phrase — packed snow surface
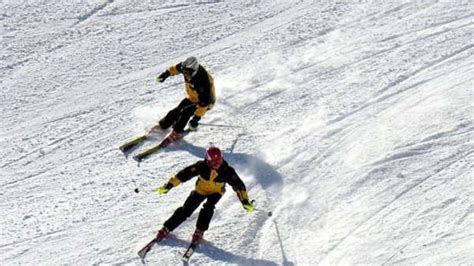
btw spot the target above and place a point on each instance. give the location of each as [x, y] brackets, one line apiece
[352, 122]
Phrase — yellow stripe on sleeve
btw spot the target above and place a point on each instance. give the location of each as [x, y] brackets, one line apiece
[174, 181]
[242, 194]
[173, 70]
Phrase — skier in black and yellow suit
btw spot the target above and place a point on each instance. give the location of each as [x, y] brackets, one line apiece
[200, 98]
[214, 172]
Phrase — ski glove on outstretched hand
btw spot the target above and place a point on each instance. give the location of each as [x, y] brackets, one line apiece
[248, 206]
[163, 76]
[164, 189]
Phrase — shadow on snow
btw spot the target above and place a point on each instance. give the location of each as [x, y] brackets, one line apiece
[263, 172]
[210, 250]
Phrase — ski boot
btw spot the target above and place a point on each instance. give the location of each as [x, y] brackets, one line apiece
[156, 130]
[162, 234]
[172, 137]
[197, 237]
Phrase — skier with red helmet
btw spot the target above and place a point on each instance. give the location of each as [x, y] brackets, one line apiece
[214, 172]
[200, 97]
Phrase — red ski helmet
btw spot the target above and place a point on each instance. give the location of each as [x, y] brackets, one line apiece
[214, 157]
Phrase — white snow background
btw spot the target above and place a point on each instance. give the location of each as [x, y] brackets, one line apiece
[351, 121]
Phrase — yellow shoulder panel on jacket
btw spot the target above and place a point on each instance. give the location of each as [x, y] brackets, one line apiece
[173, 70]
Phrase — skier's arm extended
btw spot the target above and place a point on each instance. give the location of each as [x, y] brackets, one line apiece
[175, 70]
[181, 177]
[239, 187]
[171, 71]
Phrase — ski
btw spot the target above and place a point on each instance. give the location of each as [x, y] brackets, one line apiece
[142, 252]
[127, 146]
[150, 150]
[133, 143]
[189, 252]
[155, 148]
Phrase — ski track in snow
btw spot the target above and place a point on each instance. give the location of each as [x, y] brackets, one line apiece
[351, 122]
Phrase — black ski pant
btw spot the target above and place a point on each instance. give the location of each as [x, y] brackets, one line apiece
[190, 205]
[179, 116]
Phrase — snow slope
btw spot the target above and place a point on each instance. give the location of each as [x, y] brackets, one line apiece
[352, 122]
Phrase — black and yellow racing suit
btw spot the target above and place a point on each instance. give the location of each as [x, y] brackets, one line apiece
[211, 186]
[199, 89]
[201, 97]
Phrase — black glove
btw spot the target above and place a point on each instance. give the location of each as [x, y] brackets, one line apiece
[163, 76]
[194, 122]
